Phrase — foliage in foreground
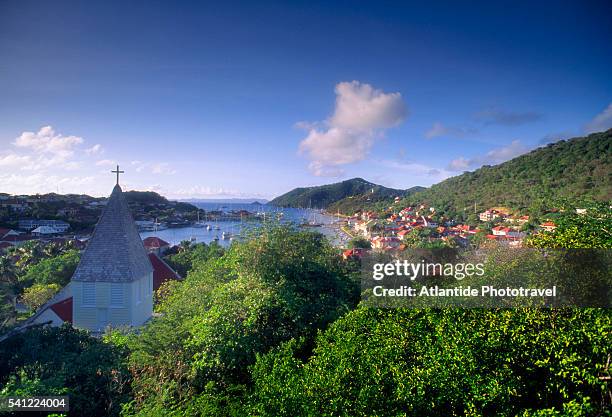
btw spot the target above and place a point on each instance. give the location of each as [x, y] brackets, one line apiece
[64, 361]
[196, 358]
[449, 362]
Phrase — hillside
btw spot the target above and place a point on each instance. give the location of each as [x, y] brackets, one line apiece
[575, 169]
[324, 195]
[367, 201]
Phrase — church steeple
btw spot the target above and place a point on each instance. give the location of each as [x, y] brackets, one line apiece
[115, 252]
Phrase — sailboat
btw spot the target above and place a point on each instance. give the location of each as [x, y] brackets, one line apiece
[199, 223]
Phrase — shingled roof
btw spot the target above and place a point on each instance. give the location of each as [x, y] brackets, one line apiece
[115, 252]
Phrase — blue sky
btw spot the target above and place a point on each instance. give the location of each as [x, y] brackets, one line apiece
[230, 99]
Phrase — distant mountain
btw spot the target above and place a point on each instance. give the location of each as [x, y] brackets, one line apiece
[226, 200]
[574, 169]
[324, 195]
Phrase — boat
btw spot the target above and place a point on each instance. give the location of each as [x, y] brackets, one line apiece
[199, 223]
[208, 227]
[217, 228]
[216, 239]
[225, 235]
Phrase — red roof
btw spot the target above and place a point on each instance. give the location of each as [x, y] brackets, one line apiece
[162, 272]
[63, 309]
[154, 242]
[17, 238]
[4, 245]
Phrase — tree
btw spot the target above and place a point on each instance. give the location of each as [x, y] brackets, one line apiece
[360, 243]
[38, 294]
[64, 361]
[285, 283]
[440, 363]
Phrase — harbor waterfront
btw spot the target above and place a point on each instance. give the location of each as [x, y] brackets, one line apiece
[312, 219]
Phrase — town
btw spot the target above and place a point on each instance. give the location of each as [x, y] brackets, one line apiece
[421, 225]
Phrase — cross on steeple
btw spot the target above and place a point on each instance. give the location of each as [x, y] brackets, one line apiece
[118, 172]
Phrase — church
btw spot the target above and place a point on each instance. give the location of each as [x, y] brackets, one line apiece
[113, 284]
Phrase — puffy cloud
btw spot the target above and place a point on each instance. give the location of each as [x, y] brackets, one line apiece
[361, 115]
[493, 157]
[47, 141]
[601, 122]
[361, 106]
[495, 116]
[438, 129]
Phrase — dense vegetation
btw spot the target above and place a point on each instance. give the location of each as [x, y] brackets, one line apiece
[32, 273]
[364, 202]
[272, 327]
[324, 195]
[576, 169]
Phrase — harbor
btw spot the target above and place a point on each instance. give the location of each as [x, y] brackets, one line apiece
[229, 222]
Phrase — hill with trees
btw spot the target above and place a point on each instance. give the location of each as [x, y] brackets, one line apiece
[578, 169]
[323, 196]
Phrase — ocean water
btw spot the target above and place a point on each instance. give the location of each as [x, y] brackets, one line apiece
[236, 228]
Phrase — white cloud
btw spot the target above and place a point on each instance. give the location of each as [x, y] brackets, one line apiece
[199, 191]
[162, 168]
[601, 122]
[460, 164]
[94, 150]
[360, 106]
[105, 162]
[47, 141]
[12, 160]
[361, 115]
[493, 157]
[418, 169]
[43, 183]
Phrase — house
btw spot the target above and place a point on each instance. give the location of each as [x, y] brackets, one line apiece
[488, 215]
[16, 239]
[380, 242]
[402, 233]
[500, 231]
[548, 226]
[162, 272]
[44, 231]
[155, 245]
[31, 224]
[4, 246]
[353, 253]
[427, 222]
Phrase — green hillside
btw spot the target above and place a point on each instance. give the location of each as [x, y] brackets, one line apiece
[367, 201]
[576, 169]
[324, 195]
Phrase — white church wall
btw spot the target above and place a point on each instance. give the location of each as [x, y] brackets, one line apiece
[142, 299]
[83, 316]
[101, 313]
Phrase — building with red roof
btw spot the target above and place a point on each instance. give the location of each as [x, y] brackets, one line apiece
[162, 272]
[153, 244]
